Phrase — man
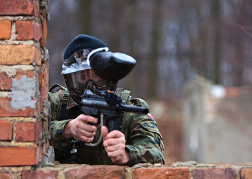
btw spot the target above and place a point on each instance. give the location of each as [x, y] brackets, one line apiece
[137, 138]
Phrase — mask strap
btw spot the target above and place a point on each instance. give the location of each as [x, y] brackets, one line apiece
[105, 49]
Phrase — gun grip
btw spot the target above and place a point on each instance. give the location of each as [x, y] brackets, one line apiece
[112, 125]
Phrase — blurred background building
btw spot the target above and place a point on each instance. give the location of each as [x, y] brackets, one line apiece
[217, 122]
[174, 42]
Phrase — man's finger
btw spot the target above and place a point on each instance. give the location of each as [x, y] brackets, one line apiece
[87, 119]
[116, 154]
[87, 127]
[86, 133]
[115, 134]
[104, 131]
[112, 148]
[113, 141]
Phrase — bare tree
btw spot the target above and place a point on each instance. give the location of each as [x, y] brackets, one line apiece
[131, 19]
[215, 9]
[84, 13]
[171, 40]
[155, 43]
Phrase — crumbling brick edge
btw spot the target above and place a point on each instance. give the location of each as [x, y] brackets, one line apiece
[187, 170]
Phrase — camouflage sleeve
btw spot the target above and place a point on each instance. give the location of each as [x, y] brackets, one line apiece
[58, 140]
[57, 127]
[144, 140]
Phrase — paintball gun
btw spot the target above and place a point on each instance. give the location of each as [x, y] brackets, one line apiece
[111, 67]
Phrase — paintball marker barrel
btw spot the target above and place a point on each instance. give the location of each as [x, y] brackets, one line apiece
[119, 107]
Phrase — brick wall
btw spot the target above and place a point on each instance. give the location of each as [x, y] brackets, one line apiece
[178, 170]
[23, 85]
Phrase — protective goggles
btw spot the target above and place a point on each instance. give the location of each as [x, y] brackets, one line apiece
[80, 81]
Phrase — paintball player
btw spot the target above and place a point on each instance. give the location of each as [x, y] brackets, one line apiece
[136, 138]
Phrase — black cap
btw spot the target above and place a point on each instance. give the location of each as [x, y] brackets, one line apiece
[82, 41]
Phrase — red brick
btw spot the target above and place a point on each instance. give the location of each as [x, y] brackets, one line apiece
[28, 132]
[43, 78]
[19, 55]
[42, 40]
[5, 176]
[212, 173]
[27, 73]
[39, 174]
[246, 173]
[156, 173]
[105, 172]
[5, 81]
[5, 130]
[28, 30]
[19, 7]
[12, 156]
[39, 153]
[7, 111]
[5, 29]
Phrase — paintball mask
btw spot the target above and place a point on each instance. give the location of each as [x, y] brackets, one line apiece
[79, 76]
[76, 70]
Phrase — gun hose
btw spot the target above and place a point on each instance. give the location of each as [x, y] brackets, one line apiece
[100, 138]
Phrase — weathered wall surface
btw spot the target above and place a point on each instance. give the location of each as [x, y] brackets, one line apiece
[23, 86]
[178, 170]
[217, 123]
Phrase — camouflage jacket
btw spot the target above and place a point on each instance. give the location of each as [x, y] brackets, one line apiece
[143, 139]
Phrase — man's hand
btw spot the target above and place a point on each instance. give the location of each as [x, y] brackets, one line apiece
[79, 128]
[114, 144]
